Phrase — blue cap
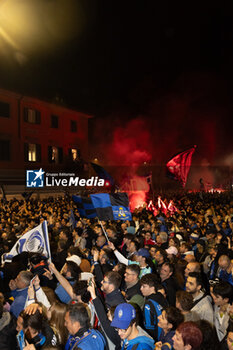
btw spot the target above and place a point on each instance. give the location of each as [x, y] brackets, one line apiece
[123, 315]
[143, 252]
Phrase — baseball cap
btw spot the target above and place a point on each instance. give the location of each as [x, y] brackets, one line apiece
[172, 250]
[143, 252]
[194, 236]
[123, 315]
[74, 258]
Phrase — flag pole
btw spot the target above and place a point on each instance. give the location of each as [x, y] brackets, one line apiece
[105, 233]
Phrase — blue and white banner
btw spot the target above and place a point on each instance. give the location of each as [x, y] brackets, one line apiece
[34, 241]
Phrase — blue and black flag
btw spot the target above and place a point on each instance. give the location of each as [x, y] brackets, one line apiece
[102, 173]
[111, 206]
[85, 207]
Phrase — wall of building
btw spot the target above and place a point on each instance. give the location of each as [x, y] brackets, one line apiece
[20, 131]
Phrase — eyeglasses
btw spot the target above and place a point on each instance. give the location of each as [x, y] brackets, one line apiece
[105, 281]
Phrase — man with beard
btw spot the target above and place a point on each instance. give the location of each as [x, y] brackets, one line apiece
[201, 301]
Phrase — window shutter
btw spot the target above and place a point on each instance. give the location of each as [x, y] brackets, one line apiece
[38, 153]
[25, 114]
[50, 150]
[26, 152]
[60, 154]
[38, 117]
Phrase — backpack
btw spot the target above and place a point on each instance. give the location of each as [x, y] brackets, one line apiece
[157, 310]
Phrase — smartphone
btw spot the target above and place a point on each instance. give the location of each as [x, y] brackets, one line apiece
[32, 280]
[21, 340]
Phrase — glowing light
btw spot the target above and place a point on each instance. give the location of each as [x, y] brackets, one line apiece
[36, 27]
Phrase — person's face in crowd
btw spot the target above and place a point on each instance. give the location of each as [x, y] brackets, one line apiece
[124, 226]
[178, 343]
[213, 252]
[57, 224]
[63, 222]
[223, 263]
[189, 268]
[72, 327]
[147, 290]
[230, 340]
[224, 225]
[130, 276]
[124, 333]
[165, 272]
[200, 248]
[159, 257]
[159, 240]
[218, 300]
[79, 224]
[98, 230]
[62, 236]
[19, 324]
[102, 259]
[132, 247]
[152, 252]
[163, 322]
[147, 236]
[191, 285]
[171, 243]
[147, 227]
[127, 242]
[4, 236]
[183, 248]
[106, 286]
[110, 233]
[100, 241]
[19, 282]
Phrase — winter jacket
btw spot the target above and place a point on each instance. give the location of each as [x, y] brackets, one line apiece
[90, 340]
[142, 342]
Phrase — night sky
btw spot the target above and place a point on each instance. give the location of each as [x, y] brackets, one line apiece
[157, 75]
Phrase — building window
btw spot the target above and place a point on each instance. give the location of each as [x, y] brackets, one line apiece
[73, 126]
[4, 150]
[4, 109]
[31, 116]
[32, 152]
[55, 154]
[74, 153]
[54, 121]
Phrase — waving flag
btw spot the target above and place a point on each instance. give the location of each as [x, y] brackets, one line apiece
[35, 240]
[179, 165]
[102, 173]
[112, 206]
[85, 207]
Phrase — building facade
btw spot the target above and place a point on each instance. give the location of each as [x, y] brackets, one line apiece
[36, 134]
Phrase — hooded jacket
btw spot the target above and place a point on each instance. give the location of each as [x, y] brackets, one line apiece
[142, 342]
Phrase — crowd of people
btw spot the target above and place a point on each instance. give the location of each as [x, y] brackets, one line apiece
[163, 280]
